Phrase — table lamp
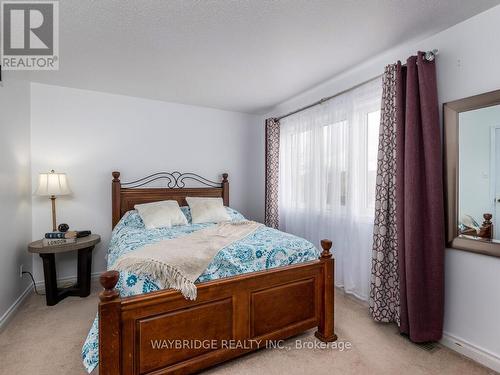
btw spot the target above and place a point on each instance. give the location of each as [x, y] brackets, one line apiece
[51, 185]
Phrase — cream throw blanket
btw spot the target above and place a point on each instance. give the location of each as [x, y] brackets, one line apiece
[178, 262]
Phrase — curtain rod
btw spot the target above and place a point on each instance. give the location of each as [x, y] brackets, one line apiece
[429, 56]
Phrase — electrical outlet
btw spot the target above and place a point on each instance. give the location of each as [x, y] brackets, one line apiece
[21, 271]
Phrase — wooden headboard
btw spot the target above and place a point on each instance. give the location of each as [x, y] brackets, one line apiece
[126, 195]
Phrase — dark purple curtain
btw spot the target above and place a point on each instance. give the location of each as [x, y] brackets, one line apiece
[419, 201]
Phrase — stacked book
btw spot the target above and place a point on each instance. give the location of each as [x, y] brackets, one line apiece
[59, 238]
[63, 238]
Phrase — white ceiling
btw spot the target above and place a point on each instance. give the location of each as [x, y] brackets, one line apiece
[242, 55]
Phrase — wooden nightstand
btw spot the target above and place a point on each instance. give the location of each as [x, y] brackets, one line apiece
[84, 246]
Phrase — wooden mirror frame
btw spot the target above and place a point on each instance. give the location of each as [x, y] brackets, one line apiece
[451, 112]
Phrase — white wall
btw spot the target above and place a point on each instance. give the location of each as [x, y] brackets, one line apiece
[467, 65]
[89, 134]
[476, 157]
[15, 191]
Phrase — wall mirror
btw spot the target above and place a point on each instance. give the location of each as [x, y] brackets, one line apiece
[472, 173]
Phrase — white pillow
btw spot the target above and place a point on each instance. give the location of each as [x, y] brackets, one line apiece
[207, 210]
[161, 214]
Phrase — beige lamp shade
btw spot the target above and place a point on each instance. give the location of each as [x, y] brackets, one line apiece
[52, 184]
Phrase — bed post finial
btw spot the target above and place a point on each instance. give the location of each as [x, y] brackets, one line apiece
[326, 245]
[116, 187]
[225, 189]
[108, 280]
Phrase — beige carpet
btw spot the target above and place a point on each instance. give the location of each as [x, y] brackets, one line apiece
[47, 340]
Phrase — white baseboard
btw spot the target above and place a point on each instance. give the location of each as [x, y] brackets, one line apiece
[40, 285]
[471, 351]
[7, 316]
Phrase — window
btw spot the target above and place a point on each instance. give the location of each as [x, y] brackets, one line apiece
[372, 135]
[328, 156]
[299, 144]
[335, 164]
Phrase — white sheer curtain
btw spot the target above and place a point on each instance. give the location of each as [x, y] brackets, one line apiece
[328, 164]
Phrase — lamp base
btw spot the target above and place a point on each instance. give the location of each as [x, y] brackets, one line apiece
[54, 225]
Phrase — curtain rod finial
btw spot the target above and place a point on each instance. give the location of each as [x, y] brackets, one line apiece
[431, 55]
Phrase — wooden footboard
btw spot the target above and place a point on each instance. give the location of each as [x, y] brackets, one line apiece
[163, 333]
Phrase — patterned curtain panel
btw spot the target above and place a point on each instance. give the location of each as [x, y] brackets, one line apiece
[384, 286]
[272, 172]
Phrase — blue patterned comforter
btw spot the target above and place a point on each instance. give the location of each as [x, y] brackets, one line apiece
[263, 249]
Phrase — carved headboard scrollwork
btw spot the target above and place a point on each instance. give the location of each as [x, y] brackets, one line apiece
[126, 195]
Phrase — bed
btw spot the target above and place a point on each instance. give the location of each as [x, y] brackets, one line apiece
[268, 286]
